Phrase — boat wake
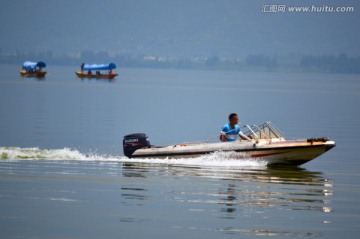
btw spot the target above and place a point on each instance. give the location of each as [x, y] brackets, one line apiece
[217, 159]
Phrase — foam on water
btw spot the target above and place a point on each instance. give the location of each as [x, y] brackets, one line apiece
[217, 159]
[17, 153]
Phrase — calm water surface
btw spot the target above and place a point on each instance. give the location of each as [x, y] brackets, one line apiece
[62, 173]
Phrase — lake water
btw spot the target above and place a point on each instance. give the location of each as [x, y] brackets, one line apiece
[63, 174]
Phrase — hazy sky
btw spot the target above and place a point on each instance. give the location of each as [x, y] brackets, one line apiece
[233, 28]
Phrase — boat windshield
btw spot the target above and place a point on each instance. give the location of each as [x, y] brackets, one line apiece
[265, 131]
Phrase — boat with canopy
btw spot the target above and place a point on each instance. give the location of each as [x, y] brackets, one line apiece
[33, 69]
[86, 71]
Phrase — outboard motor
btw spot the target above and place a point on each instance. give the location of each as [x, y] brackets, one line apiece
[133, 142]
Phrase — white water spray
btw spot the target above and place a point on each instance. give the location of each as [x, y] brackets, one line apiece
[217, 159]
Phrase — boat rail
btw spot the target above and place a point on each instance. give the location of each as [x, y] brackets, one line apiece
[267, 131]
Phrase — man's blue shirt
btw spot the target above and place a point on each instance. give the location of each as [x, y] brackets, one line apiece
[229, 132]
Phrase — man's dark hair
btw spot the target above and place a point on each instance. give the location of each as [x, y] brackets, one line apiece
[232, 115]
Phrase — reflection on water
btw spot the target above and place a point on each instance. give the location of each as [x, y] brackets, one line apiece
[244, 193]
[34, 78]
[270, 233]
[213, 201]
[96, 80]
[133, 193]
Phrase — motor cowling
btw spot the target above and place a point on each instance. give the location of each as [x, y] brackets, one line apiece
[133, 142]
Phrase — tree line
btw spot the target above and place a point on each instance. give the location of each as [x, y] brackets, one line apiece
[255, 62]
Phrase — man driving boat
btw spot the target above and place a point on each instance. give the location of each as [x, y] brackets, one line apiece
[231, 130]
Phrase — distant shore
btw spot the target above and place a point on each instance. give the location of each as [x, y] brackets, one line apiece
[291, 63]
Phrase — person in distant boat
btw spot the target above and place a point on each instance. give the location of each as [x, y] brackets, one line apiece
[97, 73]
[82, 67]
[231, 130]
[89, 72]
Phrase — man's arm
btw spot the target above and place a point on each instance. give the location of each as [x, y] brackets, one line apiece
[223, 134]
[222, 137]
[243, 136]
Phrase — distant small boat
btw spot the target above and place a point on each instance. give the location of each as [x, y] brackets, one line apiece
[86, 71]
[33, 69]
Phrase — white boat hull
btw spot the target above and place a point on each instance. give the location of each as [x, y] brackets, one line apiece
[296, 152]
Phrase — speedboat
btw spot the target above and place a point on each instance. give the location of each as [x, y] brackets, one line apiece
[266, 143]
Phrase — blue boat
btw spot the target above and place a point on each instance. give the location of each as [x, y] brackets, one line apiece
[33, 69]
[86, 71]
